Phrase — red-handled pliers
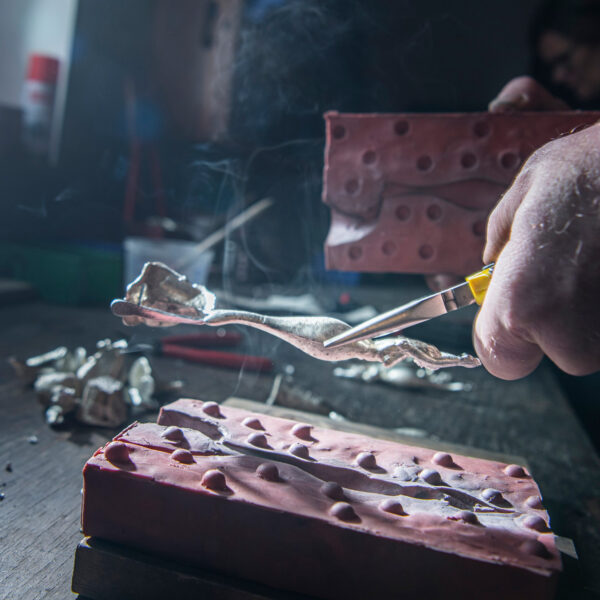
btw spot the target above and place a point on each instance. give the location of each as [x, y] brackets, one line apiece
[189, 347]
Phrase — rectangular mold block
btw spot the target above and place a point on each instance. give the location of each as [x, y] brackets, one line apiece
[319, 512]
[411, 193]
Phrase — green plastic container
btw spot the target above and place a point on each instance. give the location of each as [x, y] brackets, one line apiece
[71, 274]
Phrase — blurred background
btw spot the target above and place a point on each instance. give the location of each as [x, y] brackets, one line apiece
[134, 130]
[152, 120]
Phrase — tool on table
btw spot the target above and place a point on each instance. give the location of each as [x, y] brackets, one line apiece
[472, 290]
[192, 348]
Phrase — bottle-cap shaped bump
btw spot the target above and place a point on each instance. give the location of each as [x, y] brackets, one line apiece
[390, 505]
[268, 472]
[536, 548]
[302, 431]
[343, 511]
[431, 476]
[534, 502]
[253, 423]
[491, 495]
[183, 456]
[515, 471]
[466, 516]
[333, 490]
[366, 460]
[116, 452]
[212, 409]
[258, 439]
[535, 522]
[443, 459]
[173, 434]
[214, 480]
[299, 450]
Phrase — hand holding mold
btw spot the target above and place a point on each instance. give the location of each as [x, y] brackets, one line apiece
[161, 297]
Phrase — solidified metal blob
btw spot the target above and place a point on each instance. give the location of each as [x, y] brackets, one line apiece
[535, 522]
[390, 505]
[252, 423]
[443, 459]
[299, 450]
[333, 490]
[302, 431]
[343, 511]
[466, 516]
[161, 297]
[491, 495]
[430, 476]
[366, 460]
[116, 452]
[515, 471]
[258, 439]
[214, 480]
[212, 409]
[183, 456]
[534, 502]
[173, 434]
[268, 472]
[536, 548]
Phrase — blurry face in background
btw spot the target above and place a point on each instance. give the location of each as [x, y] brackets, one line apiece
[572, 64]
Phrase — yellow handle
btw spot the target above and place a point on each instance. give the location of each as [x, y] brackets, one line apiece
[479, 282]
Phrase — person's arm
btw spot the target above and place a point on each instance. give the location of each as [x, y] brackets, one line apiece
[544, 235]
[525, 93]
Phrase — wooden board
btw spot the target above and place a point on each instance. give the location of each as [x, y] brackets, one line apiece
[105, 571]
[40, 513]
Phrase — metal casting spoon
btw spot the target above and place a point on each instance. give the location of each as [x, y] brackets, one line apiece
[161, 297]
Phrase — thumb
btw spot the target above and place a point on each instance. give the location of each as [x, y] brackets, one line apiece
[500, 336]
[501, 218]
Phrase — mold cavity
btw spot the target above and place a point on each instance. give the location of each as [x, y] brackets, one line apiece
[388, 248]
[424, 163]
[479, 228]
[468, 160]
[351, 186]
[481, 129]
[338, 132]
[426, 251]
[369, 157]
[403, 212]
[509, 160]
[401, 127]
[355, 252]
[371, 212]
[434, 212]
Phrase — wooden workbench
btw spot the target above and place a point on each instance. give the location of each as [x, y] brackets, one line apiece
[39, 515]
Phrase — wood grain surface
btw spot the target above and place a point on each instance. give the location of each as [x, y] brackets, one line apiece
[39, 515]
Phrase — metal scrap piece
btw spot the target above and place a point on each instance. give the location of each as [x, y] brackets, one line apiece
[161, 297]
[402, 375]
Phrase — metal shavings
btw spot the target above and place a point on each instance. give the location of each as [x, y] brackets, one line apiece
[102, 389]
[405, 375]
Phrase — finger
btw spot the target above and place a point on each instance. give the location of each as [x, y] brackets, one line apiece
[502, 341]
[525, 93]
[501, 218]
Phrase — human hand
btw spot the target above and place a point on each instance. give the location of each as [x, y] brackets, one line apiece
[525, 93]
[544, 235]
